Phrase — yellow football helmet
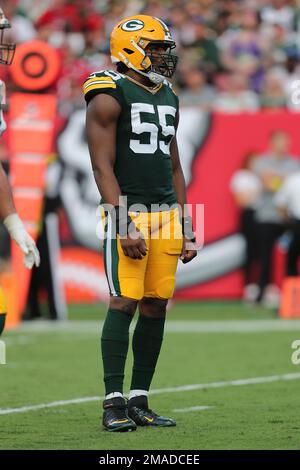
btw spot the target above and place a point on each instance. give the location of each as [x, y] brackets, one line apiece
[138, 42]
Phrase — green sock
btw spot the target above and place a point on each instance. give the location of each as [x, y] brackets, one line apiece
[2, 322]
[114, 346]
[146, 345]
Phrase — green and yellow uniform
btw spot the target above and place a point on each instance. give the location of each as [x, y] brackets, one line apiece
[143, 169]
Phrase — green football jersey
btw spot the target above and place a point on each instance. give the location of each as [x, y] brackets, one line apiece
[145, 128]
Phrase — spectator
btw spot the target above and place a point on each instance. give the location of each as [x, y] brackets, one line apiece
[246, 188]
[273, 94]
[235, 96]
[291, 81]
[287, 200]
[203, 47]
[196, 91]
[243, 49]
[278, 12]
[272, 168]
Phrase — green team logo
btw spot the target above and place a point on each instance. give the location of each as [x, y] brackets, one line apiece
[133, 25]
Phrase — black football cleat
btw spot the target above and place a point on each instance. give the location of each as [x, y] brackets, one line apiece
[140, 413]
[115, 417]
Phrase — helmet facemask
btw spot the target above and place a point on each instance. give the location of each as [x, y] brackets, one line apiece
[7, 51]
[162, 63]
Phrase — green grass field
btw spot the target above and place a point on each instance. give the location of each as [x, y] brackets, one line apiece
[207, 345]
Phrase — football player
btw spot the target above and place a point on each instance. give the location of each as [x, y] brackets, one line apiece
[131, 122]
[8, 213]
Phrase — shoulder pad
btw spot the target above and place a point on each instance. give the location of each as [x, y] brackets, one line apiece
[169, 85]
[166, 82]
[101, 79]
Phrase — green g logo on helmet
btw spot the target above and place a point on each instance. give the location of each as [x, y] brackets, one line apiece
[133, 25]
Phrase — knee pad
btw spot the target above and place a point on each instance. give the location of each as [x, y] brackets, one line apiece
[132, 288]
[164, 287]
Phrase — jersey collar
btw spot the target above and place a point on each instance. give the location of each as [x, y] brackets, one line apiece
[152, 90]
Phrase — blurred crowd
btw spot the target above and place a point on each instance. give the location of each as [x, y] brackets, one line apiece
[235, 55]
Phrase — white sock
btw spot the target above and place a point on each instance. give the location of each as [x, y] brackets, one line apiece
[137, 393]
[113, 395]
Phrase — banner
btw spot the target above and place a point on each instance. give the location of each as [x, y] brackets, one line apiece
[212, 147]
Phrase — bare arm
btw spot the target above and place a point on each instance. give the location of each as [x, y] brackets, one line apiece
[7, 206]
[101, 126]
[14, 224]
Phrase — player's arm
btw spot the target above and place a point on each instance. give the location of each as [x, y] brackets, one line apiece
[101, 126]
[102, 117]
[7, 206]
[180, 191]
[14, 224]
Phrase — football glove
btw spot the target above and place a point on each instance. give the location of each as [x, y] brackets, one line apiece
[17, 231]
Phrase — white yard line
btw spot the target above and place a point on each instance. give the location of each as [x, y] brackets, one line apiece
[184, 388]
[172, 326]
[192, 408]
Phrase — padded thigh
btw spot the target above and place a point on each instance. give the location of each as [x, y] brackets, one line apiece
[163, 259]
[154, 275]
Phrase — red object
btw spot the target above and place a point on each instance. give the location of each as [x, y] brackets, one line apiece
[36, 66]
[31, 133]
[71, 18]
[290, 300]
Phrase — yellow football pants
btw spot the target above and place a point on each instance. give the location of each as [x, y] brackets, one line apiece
[154, 275]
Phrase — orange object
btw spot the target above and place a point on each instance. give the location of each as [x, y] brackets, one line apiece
[28, 171]
[290, 300]
[31, 123]
[31, 134]
[36, 66]
[29, 204]
[31, 117]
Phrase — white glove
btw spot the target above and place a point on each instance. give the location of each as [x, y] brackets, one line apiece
[17, 231]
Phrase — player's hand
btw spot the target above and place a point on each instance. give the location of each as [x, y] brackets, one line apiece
[188, 251]
[18, 233]
[134, 245]
[28, 246]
